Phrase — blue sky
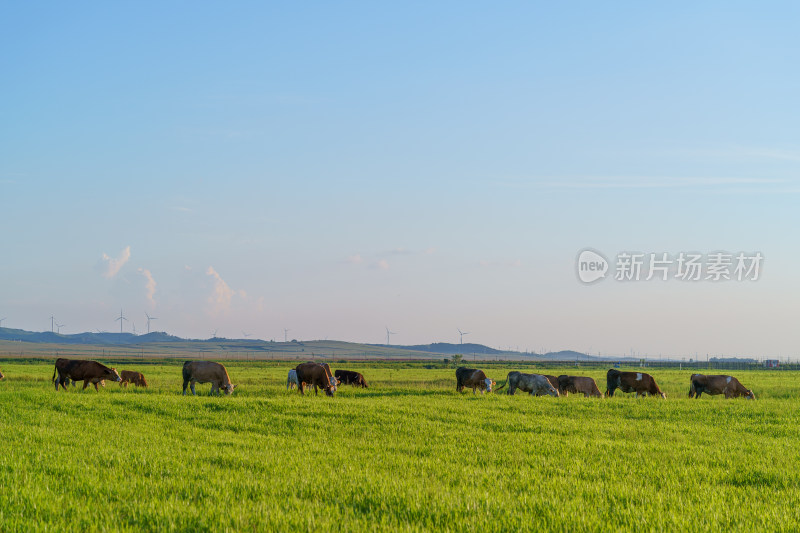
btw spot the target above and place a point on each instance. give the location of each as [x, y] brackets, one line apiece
[336, 169]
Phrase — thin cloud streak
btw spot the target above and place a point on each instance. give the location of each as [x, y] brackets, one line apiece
[113, 265]
[609, 182]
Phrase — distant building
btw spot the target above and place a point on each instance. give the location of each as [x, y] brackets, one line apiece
[771, 363]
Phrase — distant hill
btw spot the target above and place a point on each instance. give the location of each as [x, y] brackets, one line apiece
[447, 348]
[115, 339]
[160, 340]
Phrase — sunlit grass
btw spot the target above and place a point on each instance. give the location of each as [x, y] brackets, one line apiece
[408, 453]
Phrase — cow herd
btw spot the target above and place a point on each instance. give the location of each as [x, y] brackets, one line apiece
[319, 376]
[639, 382]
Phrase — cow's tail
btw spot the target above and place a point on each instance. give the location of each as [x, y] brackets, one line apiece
[186, 376]
[501, 386]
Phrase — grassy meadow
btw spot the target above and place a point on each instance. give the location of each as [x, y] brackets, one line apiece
[409, 453]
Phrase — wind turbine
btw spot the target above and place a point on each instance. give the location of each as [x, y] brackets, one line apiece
[58, 327]
[388, 333]
[214, 335]
[149, 318]
[52, 324]
[246, 334]
[121, 318]
[462, 333]
[285, 331]
[1, 321]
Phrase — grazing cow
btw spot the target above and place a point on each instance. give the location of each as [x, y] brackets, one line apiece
[291, 380]
[474, 379]
[554, 382]
[578, 385]
[1, 375]
[207, 372]
[79, 370]
[535, 384]
[727, 385]
[315, 374]
[638, 382]
[332, 379]
[129, 376]
[351, 378]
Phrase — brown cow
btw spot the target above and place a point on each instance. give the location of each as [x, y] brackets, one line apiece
[578, 385]
[207, 372]
[315, 374]
[1, 375]
[79, 370]
[472, 378]
[351, 378]
[638, 382]
[727, 385]
[129, 376]
[332, 379]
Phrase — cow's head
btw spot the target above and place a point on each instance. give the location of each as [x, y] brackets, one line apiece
[228, 389]
[553, 392]
[1, 375]
[750, 395]
[487, 384]
[143, 382]
[664, 395]
[113, 375]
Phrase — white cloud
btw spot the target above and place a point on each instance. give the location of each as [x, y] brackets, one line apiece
[355, 259]
[222, 295]
[113, 265]
[383, 264]
[150, 286]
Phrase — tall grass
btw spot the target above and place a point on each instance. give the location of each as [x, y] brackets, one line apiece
[409, 453]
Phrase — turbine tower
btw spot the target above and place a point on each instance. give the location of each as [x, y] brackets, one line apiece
[388, 333]
[285, 331]
[121, 318]
[149, 318]
[58, 327]
[462, 333]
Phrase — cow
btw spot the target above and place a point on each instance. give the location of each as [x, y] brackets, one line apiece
[207, 372]
[315, 374]
[80, 370]
[291, 380]
[554, 382]
[1, 375]
[474, 379]
[535, 384]
[332, 379]
[578, 385]
[351, 378]
[129, 376]
[727, 385]
[639, 382]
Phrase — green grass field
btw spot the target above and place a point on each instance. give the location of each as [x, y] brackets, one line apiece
[409, 453]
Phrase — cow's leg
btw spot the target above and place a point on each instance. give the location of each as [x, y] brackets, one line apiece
[185, 384]
[192, 387]
[85, 384]
[95, 386]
